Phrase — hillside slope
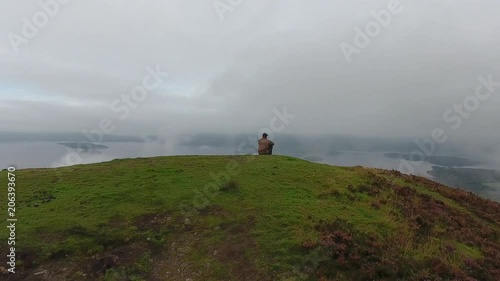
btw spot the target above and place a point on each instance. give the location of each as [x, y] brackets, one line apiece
[246, 218]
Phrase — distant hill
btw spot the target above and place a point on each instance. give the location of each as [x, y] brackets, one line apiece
[84, 147]
[246, 218]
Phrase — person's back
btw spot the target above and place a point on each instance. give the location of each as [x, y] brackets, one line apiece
[265, 145]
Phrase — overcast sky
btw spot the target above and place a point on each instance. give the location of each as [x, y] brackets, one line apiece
[229, 66]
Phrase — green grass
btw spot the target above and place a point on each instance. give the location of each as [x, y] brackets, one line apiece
[267, 208]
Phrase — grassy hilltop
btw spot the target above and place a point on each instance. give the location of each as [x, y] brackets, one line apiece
[246, 218]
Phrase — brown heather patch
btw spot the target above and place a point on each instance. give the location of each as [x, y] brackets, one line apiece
[360, 256]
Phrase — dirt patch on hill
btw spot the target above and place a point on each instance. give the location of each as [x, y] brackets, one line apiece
[234, 251]
[189, 256]
[154, 221]
[89, 268]
[165, 247]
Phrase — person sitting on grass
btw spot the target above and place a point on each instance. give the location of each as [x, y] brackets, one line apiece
[265, 145]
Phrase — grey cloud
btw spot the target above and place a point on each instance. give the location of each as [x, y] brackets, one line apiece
[227, 76]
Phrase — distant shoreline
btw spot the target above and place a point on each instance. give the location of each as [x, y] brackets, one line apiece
[447, 161]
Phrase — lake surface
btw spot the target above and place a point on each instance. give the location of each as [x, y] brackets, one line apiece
[53, 154]
[370, 159]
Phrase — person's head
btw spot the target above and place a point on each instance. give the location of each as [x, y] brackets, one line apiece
[264, 135]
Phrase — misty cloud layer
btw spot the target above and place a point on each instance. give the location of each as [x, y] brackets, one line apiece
[227, 76]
